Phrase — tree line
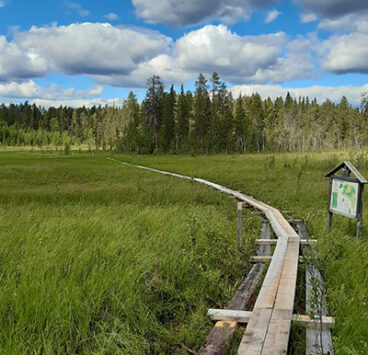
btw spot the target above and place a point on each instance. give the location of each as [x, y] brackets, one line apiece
[208, 120]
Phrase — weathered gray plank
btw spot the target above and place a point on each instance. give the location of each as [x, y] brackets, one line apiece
[314, 337]
[265, 249]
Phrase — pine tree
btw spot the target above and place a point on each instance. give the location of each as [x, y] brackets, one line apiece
[152, 104]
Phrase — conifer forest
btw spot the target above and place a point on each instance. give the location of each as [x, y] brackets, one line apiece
[208, 120]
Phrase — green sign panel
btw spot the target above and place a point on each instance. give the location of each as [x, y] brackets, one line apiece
[344, 198]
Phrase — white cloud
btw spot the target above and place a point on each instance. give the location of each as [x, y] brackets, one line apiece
[78, 8]
[345, 53]
[306, 17]
[78, 102]
[191, 12]
[216, 48]
[321, 93]
[2, 4]
[30, 90]
[87, 48]
[112, 16]
[19, 63]
[272, 15]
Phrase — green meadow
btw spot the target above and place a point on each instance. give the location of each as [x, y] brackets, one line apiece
[102, 258]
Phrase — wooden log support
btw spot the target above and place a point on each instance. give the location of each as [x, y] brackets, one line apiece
[229, 315]
[244, 316]
[239, 225]
[260, 258]
[274, 241]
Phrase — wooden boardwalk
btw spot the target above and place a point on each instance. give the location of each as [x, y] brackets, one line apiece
[269, 324]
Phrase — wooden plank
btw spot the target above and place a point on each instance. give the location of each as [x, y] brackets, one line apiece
[229, 315]
[274, 241]
[314, 324]
[223, 332]
[302, 320]
[243, 295]
[265, 249]
[277, 338]
[255, 333]
[260, 258]
[314, 337]
[219, 339]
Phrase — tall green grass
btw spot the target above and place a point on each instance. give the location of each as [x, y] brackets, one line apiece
[101, 258]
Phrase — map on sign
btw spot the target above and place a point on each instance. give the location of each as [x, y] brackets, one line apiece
[344, 198]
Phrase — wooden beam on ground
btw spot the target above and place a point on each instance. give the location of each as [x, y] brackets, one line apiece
[260, 258]
[264, 259]
[229, 315]
[317, 340]
[314, 324]
[244, 316]
[274, 241]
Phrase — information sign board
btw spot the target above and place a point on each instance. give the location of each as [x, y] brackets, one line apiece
[344, 197]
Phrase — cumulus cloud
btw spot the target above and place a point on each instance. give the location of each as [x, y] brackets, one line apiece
[191, 12]
[216, 48]
[30, 90]
[244, 59]
[77, 8]
[112, 16]
[272, 16]
[346, 53]
[19, 63]
[321, 93]
[87, 48]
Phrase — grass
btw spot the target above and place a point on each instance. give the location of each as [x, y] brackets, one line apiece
[101, 258]
[98, 257]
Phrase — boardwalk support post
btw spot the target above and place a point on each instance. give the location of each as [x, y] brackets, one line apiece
[239, 225]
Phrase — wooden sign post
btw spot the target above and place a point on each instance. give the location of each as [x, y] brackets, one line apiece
[346, 194]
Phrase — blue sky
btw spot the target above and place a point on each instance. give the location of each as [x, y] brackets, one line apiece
[85, 53]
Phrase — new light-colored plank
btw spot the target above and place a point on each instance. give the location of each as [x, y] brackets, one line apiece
[229, 315]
